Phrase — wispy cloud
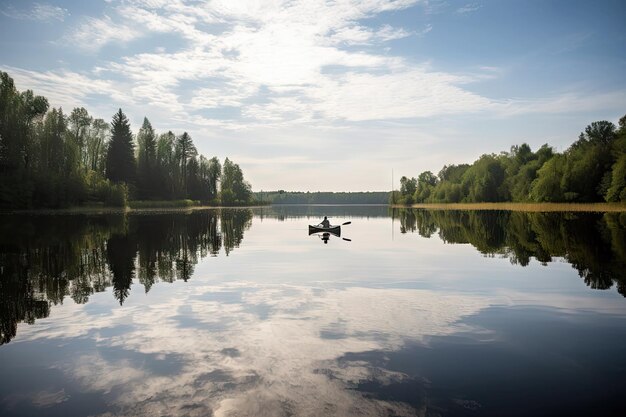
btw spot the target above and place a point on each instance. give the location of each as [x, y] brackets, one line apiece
[38, 11]
[293, 62]
[64, 88]
[94, 33]
[469, 8]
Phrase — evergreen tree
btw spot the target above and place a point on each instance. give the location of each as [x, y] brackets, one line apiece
[167, 166]
[215, 173]
[146, 160]
[185, 150]
[120, 162]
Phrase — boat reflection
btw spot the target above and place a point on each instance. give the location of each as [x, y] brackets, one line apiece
[325, 236]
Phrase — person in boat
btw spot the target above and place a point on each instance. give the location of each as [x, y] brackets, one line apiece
[325, 223]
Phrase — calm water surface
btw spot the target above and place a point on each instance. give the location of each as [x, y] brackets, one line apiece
[241, 312]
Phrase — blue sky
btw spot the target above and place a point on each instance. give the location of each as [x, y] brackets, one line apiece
[329, 95]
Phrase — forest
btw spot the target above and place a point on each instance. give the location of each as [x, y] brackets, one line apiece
[592, 169]
[49, 159]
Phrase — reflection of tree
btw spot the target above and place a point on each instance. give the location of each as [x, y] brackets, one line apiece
[44, 259]
[121, 252]
[18, 301]
[234, 223]
[593, 243]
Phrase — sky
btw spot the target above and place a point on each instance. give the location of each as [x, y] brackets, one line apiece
[323, 95]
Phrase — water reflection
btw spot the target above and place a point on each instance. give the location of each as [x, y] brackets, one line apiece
[593, 243]
[284, 326]
[44, 259]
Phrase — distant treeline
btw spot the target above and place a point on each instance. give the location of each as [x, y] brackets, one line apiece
[50, 159]
[592, 169]
[299, 197]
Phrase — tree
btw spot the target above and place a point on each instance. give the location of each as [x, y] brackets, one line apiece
[167, 164]
[185, 150]
[547, 186]
[426, 182]
[146, 160]
[601, 132]
[215, 173]
[617, 189]
[97, 139]
[79, 122]
[407, 189]
[20, 113]
[483, 180]
[120, 162]
[235, 190]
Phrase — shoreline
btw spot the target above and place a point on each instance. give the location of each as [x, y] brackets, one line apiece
[527, 207]
[520, 207]
[119, 210]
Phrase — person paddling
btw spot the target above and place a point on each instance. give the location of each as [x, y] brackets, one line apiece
[325, 223]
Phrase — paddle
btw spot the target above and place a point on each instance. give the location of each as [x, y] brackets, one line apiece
[346, 239]
[346, 223]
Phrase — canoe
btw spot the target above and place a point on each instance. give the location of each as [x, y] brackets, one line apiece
[335, 230]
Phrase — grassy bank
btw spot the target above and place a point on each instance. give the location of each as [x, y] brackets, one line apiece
[143, 204]
[530, 207]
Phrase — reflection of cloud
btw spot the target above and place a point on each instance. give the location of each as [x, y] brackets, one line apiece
[229, 360]
[49, 398]
[101, 375]
[253, 364]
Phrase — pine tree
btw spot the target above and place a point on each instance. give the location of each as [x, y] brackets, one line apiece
[120, 163]
[185, 150]
[146, 160]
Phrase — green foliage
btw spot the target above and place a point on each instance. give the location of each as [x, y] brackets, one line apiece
[426, 183]
[482, 181]
[48, 159]
[591, 170]
[235, 190]
[146, 160]
[117, 195]
[120, 160]
[617, 190]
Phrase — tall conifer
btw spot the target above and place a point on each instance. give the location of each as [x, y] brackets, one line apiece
[120, 162]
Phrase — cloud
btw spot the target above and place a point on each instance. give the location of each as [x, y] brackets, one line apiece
[38, 11]
[63, 88]
[565, 103]
[291, 73]
[469, 8]
[289, 63]
[93, 33]
[389, 33]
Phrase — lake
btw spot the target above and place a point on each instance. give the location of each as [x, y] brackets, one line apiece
[239, 312]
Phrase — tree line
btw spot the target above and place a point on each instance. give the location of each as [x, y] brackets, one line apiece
[321, 197]
[592, 169]
[50, 159]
